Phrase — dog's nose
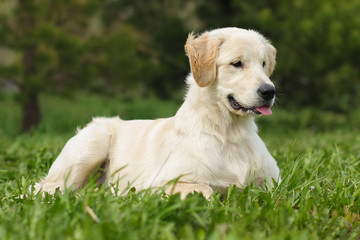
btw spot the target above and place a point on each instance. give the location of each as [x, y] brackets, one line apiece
[267, 91]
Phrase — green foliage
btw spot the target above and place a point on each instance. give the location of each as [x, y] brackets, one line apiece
[55, 31]
[100, 45]
[318, 46]
[115, 62]
[163, 37]
[318, 154]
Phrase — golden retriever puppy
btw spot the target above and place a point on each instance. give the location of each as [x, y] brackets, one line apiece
[210, 143]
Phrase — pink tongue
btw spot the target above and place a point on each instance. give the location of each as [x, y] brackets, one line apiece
[264, 110]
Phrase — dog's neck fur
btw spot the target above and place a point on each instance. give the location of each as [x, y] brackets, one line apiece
[210, 114]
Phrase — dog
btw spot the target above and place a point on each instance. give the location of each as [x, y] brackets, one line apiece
[210, 143]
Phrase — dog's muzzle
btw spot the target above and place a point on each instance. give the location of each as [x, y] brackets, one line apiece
[266, 92]
[267, 95]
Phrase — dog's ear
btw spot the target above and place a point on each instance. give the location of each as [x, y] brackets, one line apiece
[202, 52]
[271, 59]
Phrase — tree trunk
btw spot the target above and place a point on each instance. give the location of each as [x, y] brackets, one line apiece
[30, 86]
[30, 111]
[30, 102]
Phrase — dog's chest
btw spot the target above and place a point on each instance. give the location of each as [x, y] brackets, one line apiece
[227, 164]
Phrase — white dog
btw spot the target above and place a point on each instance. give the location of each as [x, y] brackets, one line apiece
[210, 143]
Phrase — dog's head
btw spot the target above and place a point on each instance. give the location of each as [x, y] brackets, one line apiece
[238, 63]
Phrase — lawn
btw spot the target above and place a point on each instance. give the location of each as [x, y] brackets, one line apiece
[318, 153]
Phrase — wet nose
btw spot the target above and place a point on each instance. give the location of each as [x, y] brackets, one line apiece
[267, 91]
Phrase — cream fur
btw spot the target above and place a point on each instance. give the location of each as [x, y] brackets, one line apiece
[207, 144]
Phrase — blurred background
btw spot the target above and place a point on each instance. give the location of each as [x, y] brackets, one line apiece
[52, 51]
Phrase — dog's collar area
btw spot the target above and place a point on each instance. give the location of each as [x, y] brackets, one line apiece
[236, 106]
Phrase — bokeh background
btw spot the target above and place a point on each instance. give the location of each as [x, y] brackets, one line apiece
[124, 49]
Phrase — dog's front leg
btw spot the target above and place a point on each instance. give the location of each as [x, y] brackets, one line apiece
[185, 188]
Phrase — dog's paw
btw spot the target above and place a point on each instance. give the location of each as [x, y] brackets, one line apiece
[205, 190]
[188, 188]
[37, 188]
[47, 187]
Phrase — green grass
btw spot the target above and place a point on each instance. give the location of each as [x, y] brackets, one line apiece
[319, 196]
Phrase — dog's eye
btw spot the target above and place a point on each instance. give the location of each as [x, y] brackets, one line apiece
[264, 63]
[237, 64]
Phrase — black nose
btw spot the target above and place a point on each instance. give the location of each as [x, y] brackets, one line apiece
[267, 91]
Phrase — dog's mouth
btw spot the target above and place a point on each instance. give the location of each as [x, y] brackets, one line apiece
[265, 110]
